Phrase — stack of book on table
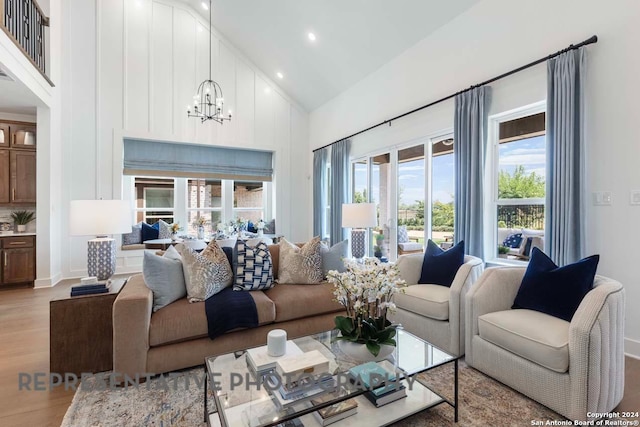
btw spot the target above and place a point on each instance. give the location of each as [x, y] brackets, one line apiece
[94, 288]
[302, 377]
[259, 362]
[335, 412]
[382, 385]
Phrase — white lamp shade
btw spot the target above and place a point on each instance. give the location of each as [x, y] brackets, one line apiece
[100, 217]
[359, 215]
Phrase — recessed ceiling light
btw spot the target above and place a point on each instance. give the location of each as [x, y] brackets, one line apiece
[205, 6]
[280, 75]
[312, 37]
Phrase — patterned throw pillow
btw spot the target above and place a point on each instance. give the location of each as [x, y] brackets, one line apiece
[403, 234]
[254, 268]
[513, 240]
[203, 277]
[300, 265]
[214, 253]
[135, 237]
[164, 232]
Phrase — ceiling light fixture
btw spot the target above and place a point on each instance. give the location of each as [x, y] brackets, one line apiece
[208, 102]
[312, 37]
[280, 75]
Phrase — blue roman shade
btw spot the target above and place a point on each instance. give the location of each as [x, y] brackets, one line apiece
[155, 158]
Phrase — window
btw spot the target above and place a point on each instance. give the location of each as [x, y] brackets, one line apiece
[248, 200]
[442, 207]
[411, 194]
[182, 200]
[519, 182]
[412, 186]
[359, 174]
[204, 198]
[154, 199]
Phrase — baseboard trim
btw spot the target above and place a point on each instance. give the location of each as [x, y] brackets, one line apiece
[632, 348]
[48, 282]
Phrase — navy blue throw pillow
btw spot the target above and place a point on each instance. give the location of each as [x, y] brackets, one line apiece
[150, 232]
[513, 240]
[554, 290]
[439, 267]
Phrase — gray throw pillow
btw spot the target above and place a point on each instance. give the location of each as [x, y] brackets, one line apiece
[135, 237]
[333, 257]
[165, 278]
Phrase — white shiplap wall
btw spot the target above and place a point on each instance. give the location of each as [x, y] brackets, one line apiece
[149, 57]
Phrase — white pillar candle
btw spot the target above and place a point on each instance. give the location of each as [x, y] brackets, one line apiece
[277, 343]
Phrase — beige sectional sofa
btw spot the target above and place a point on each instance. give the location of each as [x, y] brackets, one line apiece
[176, 336]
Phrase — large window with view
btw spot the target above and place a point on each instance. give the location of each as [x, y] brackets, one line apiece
[154, 199]
[204, 199]
[411, 199]
[520, 184]
[248, 200]
[442, 190]
[184, 200]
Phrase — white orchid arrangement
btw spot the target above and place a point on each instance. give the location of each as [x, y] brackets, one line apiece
[366, 291]
[261, 225]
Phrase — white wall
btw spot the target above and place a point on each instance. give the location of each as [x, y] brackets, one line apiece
[135, 65]
[495, 36]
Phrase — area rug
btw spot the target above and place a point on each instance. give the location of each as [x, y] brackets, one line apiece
[179, 400]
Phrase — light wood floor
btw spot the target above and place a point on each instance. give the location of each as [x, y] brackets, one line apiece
[24, 347]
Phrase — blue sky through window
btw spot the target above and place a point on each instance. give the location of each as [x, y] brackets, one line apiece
[529, 153]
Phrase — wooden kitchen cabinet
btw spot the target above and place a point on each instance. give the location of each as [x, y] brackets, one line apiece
[23, 136]
[5, 135]
[5, 177]
[18, 260]
[17, 163]
[23, 176]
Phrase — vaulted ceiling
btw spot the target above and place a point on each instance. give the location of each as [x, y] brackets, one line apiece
[353, 37]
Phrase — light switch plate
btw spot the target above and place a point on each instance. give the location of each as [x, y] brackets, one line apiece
[634, 198]
[602, 198]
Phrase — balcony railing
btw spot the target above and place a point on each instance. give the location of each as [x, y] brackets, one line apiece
[24, 23]
[525, 216]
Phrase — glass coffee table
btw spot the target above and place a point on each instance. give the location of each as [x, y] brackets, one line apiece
[240, 402]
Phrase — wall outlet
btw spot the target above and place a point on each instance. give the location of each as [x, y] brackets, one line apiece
[634, 197]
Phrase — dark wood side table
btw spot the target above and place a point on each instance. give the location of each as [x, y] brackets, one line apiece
[81, 332]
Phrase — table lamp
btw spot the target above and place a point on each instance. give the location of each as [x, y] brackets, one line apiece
[359, 217]
[100, 218]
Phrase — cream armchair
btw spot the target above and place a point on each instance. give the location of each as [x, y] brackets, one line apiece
[572, 367]
[433, 312]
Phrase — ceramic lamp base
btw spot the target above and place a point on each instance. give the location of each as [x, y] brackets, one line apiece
[101, 261]
[358, 243]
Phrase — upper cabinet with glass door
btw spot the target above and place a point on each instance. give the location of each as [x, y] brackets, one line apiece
[23, 135]
[5, 135]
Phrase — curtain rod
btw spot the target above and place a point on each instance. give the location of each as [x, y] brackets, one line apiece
[590, 40]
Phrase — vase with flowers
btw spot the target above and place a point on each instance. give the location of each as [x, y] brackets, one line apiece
[199, 223]
[261, 226]
[366, 291]
[175, 227]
